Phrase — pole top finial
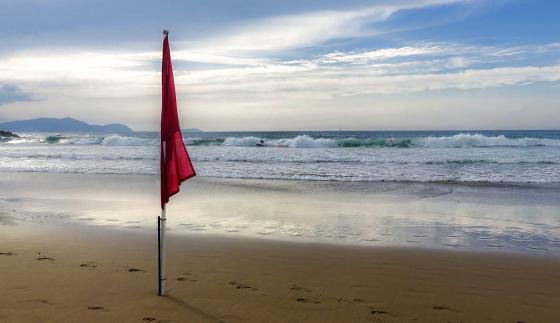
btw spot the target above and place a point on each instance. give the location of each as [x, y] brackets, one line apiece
[165, 32]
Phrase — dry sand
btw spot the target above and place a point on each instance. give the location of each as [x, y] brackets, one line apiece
[72, 273]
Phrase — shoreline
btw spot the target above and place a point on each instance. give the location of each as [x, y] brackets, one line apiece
[482, 184]
[430, 216]
[69, 272]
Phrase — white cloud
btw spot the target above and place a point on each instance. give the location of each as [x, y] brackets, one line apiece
[404, 69]
[379, 54]
[310, 29]
[331, 83]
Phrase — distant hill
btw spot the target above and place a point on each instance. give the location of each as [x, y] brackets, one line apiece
[60, 125]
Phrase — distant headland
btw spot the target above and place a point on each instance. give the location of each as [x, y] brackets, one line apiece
[61, 125]
[65, 125]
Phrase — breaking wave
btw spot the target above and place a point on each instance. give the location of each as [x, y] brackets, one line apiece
[493, 156]
[302, 141]
[462, 140]
[478, 140]
[116, 140]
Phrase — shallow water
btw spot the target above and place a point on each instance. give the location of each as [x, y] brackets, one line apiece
[505, 218]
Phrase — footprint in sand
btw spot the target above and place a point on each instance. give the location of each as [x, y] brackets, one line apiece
[442, 308]
[44, 258]
[299, 288]
[308, 300]
[380, 312]
[135, 270]
[241, 285]
[9, 253]
[149, 319]
[95, 308]
[377, 312]
[89, 264]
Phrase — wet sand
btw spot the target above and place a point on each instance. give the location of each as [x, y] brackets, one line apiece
[74, 273]
[448, 216]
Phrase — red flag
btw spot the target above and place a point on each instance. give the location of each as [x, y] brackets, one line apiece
[175, 163]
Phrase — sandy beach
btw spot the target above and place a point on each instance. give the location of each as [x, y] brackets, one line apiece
[280, 161]
[70, 273]
[70, 251]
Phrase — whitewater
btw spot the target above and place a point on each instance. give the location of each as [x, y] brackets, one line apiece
[423, 156]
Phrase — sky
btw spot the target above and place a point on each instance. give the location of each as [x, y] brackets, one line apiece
[285, 65]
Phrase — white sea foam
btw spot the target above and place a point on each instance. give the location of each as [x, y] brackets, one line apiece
[116, 140]
[82, 141]
[23, 140]
[305, 141]
[245, 141]
[479, 140]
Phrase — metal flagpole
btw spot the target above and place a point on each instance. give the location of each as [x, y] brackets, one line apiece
[161, 253]
[161, 243]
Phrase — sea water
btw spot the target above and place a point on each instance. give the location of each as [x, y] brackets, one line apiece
[370, 156]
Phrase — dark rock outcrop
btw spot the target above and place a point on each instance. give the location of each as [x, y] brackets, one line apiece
[8, 134]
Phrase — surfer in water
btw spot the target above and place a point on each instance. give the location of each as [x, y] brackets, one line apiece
[260, 143]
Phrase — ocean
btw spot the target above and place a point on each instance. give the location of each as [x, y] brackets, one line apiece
[367, 156]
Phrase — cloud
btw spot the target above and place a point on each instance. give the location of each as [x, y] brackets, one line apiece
[10, 93]
[423, 67]
[379, 54]
[311, 29]
[328, 83]
[409, 68]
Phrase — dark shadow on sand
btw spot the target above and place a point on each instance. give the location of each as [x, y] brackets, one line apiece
[191, 308]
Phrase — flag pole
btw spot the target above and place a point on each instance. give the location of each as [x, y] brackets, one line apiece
[161, 246]
[161, 234]
[161, 253]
